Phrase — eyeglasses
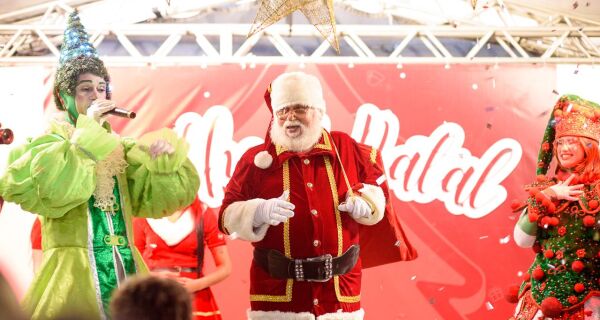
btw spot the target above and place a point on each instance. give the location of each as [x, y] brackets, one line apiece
[299, 111]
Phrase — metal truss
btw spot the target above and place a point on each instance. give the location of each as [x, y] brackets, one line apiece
[557, 39]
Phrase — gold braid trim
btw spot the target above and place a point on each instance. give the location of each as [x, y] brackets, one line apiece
[287, 250]
[373, 157]
[338, 220]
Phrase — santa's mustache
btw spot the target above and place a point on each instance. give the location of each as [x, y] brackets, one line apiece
[290, 123]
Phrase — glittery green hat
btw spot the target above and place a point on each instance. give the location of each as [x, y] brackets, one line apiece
[77, 56]
[571, 116]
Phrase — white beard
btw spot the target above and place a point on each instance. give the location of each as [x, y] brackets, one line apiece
[305, 142]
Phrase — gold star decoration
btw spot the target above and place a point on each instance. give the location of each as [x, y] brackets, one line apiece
[474, 4]
[318, 12]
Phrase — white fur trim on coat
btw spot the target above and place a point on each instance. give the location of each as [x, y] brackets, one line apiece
[296, 88]
[278, 315]
[375, 197]
[238, 218]
[263, 159]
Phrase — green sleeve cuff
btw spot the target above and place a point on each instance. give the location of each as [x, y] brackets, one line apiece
[93, 139]
[524, 224]
[166, 163]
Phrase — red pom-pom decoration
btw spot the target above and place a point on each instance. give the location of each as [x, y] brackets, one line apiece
[533, 216]
[512, 294]
[551, 307]
[545, 221]
[549, 254]
[538, 274]
[572, 299]
[545, 148]
[533, 191]
[593, 204]
[589, 221]
[554, 221]
[579, 287]
[577, 266]
[526, 277]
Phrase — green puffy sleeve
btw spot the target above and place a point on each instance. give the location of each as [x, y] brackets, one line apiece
[160, 186]
[56, 172]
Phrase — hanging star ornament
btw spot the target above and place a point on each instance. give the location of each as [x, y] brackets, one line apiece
[318, 12]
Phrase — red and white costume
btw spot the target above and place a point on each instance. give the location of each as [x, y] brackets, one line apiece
[173, 245]
[317, 185]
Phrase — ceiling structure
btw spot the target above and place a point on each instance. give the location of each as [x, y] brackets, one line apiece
[189, 32]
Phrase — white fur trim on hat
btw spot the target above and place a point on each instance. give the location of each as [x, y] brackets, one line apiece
[296, 88]
[263, 159]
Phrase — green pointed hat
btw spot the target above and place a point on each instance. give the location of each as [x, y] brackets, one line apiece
[571, 116]
[77, 56]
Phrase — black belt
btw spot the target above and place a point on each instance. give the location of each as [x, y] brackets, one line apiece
[319, 269]
[177, 269]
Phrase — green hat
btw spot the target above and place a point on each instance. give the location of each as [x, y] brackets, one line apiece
[77, 56]
[571, 116]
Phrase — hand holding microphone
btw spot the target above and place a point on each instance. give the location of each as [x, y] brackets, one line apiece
[100, 109]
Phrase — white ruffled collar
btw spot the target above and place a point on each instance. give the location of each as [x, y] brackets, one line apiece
[173, 233]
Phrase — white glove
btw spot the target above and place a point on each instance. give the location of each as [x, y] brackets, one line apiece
[98, 109]
[160, 147]
[357, 207]
[274, 211]
[563, 191]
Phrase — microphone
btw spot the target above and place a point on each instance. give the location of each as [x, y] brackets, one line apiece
[122, 113]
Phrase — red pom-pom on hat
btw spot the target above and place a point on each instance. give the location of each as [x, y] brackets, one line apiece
[551, 307]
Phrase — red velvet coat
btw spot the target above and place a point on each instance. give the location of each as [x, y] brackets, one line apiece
[317, 186]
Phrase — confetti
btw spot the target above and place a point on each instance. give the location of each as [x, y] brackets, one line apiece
[575, 5]
[554, 91]
[490, 109]
[474, 86]
[520, 274]
[570, 107]
[483, 237]
[489, 306]
[505, 240]
[207, 94]
[402, 75]
[488, 125]
[413, 278]
[441, 288]
[397, 244]
[543, 114]
[432, 300]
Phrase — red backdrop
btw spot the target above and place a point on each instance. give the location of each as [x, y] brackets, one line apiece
[459, 144]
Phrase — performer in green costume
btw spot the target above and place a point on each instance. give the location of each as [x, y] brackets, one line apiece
[560, 220]
[87, 183]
